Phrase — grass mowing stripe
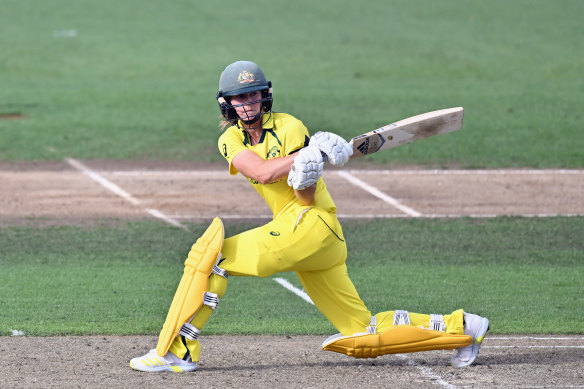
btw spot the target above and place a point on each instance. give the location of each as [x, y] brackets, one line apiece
[524, 274]
[514, 66]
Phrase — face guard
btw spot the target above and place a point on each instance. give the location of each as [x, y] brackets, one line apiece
[230, 114]
[239, 78]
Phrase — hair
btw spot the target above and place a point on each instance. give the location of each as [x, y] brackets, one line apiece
[223, 123]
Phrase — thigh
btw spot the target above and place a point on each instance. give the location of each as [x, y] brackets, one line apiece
[314, 243]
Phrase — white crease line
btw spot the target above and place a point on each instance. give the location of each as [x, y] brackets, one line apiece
[379, 194]
[531, 346]
[172, 173]
[120, 192]
[300, 293]
[427, 372]
[438, 172]
[222, 216]
[536, 337]
[185, 216]
[103, 181]
[156, 213]
[469, 171]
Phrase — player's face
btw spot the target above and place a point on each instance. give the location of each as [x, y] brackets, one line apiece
[247, 105]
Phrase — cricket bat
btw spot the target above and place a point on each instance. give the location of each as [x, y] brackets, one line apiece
[408, 130]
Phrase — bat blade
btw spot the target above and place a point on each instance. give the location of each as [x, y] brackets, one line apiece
[408, 130]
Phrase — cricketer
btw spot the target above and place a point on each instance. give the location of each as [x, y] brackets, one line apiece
[284, 165]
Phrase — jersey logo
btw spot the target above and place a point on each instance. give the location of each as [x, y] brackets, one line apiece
[274, 233]
[273, 153]
[245, 77]
[224, 149]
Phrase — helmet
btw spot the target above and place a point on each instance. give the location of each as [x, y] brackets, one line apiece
[238, 78]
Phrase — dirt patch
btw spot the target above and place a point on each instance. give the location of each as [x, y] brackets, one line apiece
[56, 193]
[285, 362]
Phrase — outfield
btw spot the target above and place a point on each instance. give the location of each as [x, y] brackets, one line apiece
[109, 171]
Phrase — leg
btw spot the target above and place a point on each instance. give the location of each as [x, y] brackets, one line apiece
[335, 296]
[198, 293]
[314, 243]
[396, 332]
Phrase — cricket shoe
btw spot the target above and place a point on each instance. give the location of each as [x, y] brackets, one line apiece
[475, 326]
[152, 362]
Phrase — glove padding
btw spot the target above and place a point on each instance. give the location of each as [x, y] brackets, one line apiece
[306, 169]
[336, 150]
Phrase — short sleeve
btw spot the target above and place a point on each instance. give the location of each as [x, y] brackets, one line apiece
[230, 144]
[296, 136]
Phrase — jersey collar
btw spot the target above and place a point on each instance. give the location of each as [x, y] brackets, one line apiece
[267, 120]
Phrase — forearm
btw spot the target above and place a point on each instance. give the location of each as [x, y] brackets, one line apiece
[274, 169]
[263, 171]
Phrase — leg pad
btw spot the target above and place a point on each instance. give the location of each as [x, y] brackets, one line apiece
[194, 284]
[396, 340]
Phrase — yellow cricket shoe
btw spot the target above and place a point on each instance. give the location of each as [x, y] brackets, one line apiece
[152, 362]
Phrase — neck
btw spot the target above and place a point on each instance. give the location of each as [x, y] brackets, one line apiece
[255, 126]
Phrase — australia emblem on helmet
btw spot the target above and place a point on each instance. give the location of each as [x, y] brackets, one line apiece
[245, 77]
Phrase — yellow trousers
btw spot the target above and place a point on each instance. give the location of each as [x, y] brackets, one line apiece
[313, 247]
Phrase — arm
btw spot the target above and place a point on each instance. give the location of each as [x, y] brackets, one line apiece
[263, 171]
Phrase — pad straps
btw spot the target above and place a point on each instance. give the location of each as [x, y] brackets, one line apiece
[220, 272]
[372, 328]
[189, 331]
[437, 323]
[401, 318]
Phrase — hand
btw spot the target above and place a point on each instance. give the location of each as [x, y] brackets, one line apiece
[306, 169]
[336, 150]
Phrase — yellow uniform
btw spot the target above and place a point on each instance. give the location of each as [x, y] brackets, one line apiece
[305, 239]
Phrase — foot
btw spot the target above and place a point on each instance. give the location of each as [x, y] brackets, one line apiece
[475, 326]
[152, 362]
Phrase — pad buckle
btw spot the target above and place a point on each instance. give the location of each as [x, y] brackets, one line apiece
[372, 328]
[401, 318]
[189, 331]
[220, 272]
[211, 300]
[437, 323]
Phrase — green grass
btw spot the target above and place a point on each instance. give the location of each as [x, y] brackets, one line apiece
[138, 79]
[524, 274]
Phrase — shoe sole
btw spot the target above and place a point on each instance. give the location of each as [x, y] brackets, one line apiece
[480, 336]
[173, 369]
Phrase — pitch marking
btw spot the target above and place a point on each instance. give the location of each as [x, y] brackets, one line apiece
[120, 192]
[300, 293]
[379, 194]
[426, 371]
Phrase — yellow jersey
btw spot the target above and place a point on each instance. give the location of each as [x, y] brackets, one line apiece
[282, 135]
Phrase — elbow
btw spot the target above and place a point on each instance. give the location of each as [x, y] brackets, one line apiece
[264, 179]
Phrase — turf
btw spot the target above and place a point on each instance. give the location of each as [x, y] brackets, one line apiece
[135, 79]
[524, 274]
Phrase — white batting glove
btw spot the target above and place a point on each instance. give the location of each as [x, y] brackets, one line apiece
[306, 169]
[336, 150]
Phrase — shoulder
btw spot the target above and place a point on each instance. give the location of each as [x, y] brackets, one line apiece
[231, 133]
[284, 122]
[281, 118]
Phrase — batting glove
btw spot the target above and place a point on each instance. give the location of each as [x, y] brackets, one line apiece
[335, 149]
[306, 169]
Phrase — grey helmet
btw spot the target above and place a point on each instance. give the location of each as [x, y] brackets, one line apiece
[238, 78]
